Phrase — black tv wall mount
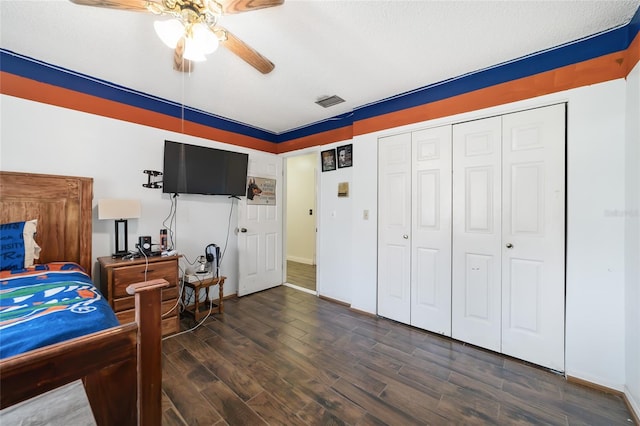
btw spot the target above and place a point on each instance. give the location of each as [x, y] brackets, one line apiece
[155, 184]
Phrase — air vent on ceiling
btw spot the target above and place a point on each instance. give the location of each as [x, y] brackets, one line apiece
[328, 101]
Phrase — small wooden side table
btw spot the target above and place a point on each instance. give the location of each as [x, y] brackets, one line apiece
[196, 283]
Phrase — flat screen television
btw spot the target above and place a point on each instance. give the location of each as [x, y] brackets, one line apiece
[193, 169]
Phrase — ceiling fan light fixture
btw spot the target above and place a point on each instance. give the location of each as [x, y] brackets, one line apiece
[169, 31]
[192, 51]
[204, 38]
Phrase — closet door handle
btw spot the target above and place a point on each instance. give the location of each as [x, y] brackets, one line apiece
[509, 245]
[405, 236]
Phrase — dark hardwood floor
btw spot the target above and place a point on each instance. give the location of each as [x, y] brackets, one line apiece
[301, 274]
[285, 357]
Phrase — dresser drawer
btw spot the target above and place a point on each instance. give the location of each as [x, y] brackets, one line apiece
[129, 315]
[126, 275]
[170, 325]
[129, 302]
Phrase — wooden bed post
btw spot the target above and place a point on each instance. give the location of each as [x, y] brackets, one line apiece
[148, 317]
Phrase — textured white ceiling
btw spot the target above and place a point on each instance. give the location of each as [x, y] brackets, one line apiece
[363, 51]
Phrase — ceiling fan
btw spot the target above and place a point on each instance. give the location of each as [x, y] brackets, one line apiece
[194, 30]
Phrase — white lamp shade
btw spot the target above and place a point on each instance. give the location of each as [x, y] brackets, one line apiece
[192, 51]
[114, 208]
[169, 31]
[204, 38]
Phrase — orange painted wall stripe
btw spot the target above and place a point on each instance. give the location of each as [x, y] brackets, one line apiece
[21, 87]
[597, 70]
[317, 139]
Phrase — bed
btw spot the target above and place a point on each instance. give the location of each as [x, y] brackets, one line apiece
[79, 337]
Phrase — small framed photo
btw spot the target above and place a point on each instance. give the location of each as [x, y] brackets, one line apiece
[345, 156]
[328, 159]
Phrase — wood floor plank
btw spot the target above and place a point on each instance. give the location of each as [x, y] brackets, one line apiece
[171, 418]
[301, 274]
[293, 397]
[272, 410]
[374, 406]
[413, 400]
[468, 411]
[170, 414]
[193, 408]
[330, 400]
[314, 414]
[236, 379]
[229, 405]
[351, 371]
[283, 356]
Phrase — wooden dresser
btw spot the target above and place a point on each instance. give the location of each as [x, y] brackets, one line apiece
[117, 274]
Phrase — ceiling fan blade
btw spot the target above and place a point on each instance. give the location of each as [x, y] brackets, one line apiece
[134, 5]
[237, 6]
[179, 62]
[248, 54]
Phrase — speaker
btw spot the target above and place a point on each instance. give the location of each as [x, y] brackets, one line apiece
[144, 244]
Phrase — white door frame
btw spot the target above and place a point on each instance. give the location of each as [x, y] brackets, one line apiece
[316, 207]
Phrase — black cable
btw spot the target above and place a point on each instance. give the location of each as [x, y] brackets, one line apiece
[226, 242]
[172, 219]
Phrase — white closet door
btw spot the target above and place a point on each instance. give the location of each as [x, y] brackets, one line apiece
[476, 289]
[394, 227]
[533, 236]
[431, 230]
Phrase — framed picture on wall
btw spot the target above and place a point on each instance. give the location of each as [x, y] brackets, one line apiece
[328, 159]
[345, 156]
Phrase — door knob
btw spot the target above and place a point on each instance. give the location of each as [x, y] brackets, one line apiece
[243, 229]
[509, 245]
[405, 236]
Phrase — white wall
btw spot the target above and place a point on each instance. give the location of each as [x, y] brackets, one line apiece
[40, 138]
[301, 197]
[632, 247]
[335, 262]
[595, 235]
[595, 324]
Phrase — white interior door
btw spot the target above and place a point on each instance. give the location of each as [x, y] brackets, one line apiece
[260, 232]
[394, 227]
[533, 236]
[476, 258]
[431, 230]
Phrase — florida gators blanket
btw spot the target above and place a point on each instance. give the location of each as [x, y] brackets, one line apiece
[47, 304]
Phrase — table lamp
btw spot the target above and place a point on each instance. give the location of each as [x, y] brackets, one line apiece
[120, 210]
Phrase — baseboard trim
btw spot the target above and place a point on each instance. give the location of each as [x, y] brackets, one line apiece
[297, 287]
[225, 297]
[348, 305]
[358, 311]
[339, 302]
[605, 389]
[635, 411]
[592, 385]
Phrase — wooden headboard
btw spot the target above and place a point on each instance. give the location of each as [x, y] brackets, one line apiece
[62, 205]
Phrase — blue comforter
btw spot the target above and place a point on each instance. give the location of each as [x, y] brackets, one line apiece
[47, 304]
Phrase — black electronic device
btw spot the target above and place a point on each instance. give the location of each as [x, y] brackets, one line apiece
[212, 254]
[193, 169]
[144, 245]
